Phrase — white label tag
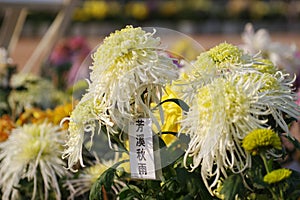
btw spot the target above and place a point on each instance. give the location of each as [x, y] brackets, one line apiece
[142, 164]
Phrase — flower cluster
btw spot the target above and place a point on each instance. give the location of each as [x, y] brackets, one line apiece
[230, 96]
[30, 153]
[229, 106]
[218, 123]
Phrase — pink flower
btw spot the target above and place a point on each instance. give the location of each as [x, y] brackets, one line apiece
[60, 55]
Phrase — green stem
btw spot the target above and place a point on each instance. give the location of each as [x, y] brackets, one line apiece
[274, 196]
[265, 162]
[273, 193]
[281, 194]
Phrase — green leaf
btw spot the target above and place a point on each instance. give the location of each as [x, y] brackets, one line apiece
[104, 182]
[192, 183]
[262, 197]
[293, 190]
[170, 132]
[256, 173]
[231, 186]
[129, 192]
[179, 102]
[173, 185]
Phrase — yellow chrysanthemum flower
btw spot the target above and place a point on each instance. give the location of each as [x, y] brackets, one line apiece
[277, 175]
[38, 116]
[96, 9]
[60, 112]
[138, 10]
[32, 115]
[261, 140]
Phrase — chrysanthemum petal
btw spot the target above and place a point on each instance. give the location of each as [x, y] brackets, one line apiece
[31, 148]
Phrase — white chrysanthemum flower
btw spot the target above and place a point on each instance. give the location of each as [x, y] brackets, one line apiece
[129, 72]
[220, 60]
[280, 98]
[31, 150]
[255, 42]
[282, 55]
[129, 63]
[223, 111]
[227, 58]
[29, 90]
[83, 119]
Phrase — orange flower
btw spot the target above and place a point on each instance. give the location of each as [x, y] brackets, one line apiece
[61, 112]
[38, 116]
[32, 115]
[6, 125]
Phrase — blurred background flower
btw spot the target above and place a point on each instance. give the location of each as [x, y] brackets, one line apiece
[31, 154]
[65, 62]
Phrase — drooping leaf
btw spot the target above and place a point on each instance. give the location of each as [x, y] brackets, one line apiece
[232, 186]
[130, 192]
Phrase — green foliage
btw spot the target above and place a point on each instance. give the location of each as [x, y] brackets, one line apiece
[177, 182]
[250, 185]
[103, 186]
[233, 186]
